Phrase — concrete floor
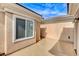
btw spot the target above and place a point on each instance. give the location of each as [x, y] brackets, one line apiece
[45, 47]
[39, 49]
[63, 48]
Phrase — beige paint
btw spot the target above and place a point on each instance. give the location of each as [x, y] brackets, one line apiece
[6, 18]
[75, 34]
[38, 31]
[21, 10]
[77, 29]
[60, 30]
[2, 32]
[74, 10]
[53, 30]
[73, 7]
[10, 46]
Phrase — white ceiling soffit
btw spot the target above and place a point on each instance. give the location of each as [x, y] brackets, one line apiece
[67, 17]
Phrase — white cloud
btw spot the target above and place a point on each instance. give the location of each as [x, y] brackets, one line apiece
[61, 13]
[48, 12]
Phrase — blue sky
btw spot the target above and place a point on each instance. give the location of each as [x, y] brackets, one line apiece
[48, 9]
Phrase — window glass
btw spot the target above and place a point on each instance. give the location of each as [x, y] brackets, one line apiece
[20, 28]
[29, 28]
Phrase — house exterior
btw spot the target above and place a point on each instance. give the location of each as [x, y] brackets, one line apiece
[19, 27]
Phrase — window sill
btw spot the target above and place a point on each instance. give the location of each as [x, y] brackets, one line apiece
[22, 39]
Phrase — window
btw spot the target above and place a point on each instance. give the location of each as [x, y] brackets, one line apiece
[23, 28]
[20, 28]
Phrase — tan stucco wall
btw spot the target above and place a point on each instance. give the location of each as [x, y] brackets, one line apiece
[10, 46]
[2, 32]
[73, 7]
[38, 31]
[59, 31]
[21, 10]
[6, 18]
[77, 36]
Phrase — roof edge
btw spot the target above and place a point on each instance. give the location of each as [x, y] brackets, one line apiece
[68, 18]
[28, 9]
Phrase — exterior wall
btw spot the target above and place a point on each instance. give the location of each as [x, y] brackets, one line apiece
[6, 43]
[75, 34]
[2, 32]
[74, 10]
[77, 37]
[21, 10]
[11, 46]
[38, 31]
[73, 7]
[59, 30]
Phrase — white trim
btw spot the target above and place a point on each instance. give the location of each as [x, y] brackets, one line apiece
[25, 28]
[21, 39]
[34, 28]
[14, 28]
[5, 41]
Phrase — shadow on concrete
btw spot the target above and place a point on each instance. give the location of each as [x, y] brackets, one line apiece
[64, 47]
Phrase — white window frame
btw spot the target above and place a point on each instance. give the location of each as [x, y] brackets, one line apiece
[14, 28]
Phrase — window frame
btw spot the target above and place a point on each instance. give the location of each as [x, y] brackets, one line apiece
[14, 28]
